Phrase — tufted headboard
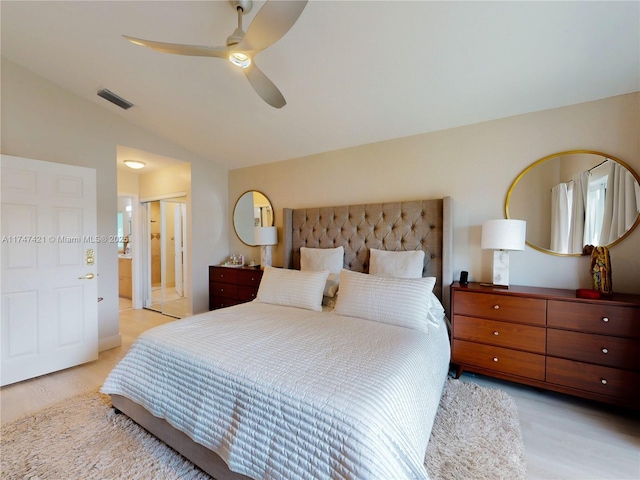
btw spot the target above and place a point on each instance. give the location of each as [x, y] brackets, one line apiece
[417, 225]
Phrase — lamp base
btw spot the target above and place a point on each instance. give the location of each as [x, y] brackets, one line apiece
[265, 256]
[501, 268]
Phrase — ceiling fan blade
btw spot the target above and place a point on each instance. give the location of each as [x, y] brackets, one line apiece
[264, 87]
[179, 49]
[270, 24]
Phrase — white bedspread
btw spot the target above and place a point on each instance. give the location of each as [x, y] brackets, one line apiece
[285, 393]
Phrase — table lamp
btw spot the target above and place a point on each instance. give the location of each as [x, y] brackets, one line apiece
[502, 236]
[265, 237]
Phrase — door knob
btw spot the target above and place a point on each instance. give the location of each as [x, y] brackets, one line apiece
[88, 276]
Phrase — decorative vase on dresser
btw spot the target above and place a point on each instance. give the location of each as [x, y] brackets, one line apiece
[548, 338]
[232, 285]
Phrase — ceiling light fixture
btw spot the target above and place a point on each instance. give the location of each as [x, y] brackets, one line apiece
[134, 164]
[240, 59]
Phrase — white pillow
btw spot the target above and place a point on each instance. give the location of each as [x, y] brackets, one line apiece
[398, 301]
[292, 288]
[403, 264]
[317, 259]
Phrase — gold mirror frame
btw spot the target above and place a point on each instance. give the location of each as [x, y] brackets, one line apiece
[560, 154]
[244, 219]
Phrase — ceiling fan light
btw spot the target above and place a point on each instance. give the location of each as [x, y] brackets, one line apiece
[134, 164]
[240, 59]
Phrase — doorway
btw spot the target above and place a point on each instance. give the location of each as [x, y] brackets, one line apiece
[166, 223]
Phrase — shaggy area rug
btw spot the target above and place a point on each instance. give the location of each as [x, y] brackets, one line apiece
[476, 436]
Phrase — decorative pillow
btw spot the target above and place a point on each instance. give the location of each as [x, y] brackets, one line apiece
[292, 288]
[403, 264]
[398, 301]
[317, 259]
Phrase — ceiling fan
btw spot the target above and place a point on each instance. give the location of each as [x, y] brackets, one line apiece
[270, 24]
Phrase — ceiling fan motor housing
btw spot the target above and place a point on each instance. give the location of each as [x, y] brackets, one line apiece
[245, 5]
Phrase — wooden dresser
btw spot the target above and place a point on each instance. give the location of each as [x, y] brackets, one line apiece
[232, 285]
[548, 338]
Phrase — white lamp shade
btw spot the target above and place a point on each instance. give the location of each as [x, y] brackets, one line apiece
[265, 235]
[504, 234]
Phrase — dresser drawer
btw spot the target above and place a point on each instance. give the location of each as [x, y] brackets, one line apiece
[501, 307]
[591, 348]
[250, 277]
[223, 274]
[502, 334]
[595, 318]
[223, 290]
[504, 360]
[594, 378]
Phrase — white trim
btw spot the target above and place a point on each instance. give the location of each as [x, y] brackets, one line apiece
[164, 196]
[109, 342]
[136, 255]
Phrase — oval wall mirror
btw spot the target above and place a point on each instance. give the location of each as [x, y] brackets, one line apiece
[253, 209]
[575, 198]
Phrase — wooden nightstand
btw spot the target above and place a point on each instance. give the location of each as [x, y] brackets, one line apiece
[548, 338]
[232, 285]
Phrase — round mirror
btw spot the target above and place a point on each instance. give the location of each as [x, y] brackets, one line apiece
[575, 198]
[253, 209]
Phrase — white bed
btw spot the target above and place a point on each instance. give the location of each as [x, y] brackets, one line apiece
[282, 392]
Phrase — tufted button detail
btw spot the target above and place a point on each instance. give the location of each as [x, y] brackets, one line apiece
[432, 227]
[433, 256]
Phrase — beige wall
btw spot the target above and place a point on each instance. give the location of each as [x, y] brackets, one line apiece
[475, 165]
[43, 121]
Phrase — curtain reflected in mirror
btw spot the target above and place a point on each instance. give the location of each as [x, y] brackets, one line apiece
[577, 198]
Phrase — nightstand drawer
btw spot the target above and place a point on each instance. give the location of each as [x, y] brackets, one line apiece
[250, 277]
[591, 348]
[594, 378]
[529, 365]
[223, 290]
[246, 294]
[223, 274]
[595, 318]
[501, 307]
[501, 334]
[222, 302]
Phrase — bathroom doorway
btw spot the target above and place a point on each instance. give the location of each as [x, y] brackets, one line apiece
[166, 225]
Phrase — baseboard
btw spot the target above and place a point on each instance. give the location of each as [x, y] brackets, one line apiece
[109, 342]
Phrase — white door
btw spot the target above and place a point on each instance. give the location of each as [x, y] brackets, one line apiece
[49, 285]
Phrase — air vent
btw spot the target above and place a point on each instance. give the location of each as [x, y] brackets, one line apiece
[115, 99]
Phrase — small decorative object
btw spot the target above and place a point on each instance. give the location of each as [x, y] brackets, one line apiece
[587, 293]
[600, 268]
[502, 236]
[265, 237]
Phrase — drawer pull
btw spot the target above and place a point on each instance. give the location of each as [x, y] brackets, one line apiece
[605, 319]
[605, 350]
[496, 333]
[496, 307]
[604, 382]
[495, 359]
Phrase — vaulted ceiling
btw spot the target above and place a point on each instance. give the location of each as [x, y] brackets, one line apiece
[352, 72]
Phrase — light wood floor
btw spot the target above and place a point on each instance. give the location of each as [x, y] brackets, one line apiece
[565, 437]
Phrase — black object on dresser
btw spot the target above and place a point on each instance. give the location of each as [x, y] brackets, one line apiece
[548, 338]
[232, 285]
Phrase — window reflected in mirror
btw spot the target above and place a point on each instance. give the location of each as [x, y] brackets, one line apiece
[253, 209]
[575, 198]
